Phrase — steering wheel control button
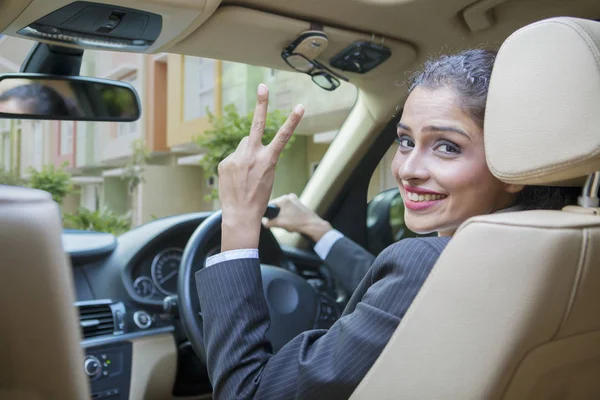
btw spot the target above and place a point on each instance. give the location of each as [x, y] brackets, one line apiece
[92, 367]
[328, 312]
[142, 319]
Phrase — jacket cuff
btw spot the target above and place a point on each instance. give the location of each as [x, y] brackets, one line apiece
[231, 255]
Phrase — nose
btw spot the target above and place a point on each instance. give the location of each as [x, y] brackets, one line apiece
[411, 167]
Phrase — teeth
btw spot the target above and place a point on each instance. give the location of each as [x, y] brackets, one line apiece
[424, 197]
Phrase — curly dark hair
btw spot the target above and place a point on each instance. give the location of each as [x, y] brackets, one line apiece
[468, 73]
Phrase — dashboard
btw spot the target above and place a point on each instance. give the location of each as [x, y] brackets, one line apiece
[156, 275]
[127, 280]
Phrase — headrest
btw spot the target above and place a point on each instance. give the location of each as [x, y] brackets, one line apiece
[542, 121]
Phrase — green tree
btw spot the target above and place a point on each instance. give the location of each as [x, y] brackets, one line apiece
[55, 181]
[102, 220]
[134, 169]
[226, 132]
[10, 178]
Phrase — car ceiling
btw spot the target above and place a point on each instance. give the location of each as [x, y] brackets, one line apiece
[255, 31]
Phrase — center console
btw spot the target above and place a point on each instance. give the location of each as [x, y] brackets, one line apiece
[109, 370]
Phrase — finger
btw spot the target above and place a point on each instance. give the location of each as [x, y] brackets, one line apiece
[241, 143]
[287, 129]
[260, 116]
[268, 223]
[279, 200]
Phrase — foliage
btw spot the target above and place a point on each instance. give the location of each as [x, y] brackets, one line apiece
[226, 132]
[102, 220]
[10, 178]
[118, 102]
[54, 180]
[134, 169]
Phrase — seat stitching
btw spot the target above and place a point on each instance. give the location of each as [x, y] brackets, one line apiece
[528, 352]
[476, 220]
[583, 261]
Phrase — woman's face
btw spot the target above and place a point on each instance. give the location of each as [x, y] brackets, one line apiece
[14, 106]
[440, 165]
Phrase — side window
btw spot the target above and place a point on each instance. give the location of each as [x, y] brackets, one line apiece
[385, 209]
[399, 229]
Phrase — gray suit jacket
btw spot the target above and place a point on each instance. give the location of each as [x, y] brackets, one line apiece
[317, 364]
[348, 263]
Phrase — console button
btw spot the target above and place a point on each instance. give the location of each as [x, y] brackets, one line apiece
[92, 367]
[110, 393]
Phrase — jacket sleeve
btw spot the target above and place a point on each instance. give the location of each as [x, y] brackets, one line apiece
[348, 263]
[315, 364]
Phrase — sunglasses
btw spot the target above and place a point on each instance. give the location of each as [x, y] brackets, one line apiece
[321, 75]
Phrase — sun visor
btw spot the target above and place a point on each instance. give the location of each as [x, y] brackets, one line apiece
[258, 38]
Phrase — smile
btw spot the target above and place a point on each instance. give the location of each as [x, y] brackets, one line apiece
[424, 197]
[418, 199]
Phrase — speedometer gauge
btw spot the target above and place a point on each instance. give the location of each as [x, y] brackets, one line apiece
[165, 269]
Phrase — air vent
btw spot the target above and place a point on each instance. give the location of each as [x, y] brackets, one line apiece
[96, 319]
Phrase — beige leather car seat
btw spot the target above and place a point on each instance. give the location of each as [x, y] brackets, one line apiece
[512, 307]
[39, 332]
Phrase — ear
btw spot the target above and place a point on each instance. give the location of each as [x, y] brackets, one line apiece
[513, 189]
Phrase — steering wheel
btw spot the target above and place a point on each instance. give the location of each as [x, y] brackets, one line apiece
[293, 302]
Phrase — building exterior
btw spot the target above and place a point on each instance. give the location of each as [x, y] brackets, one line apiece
[175, 92]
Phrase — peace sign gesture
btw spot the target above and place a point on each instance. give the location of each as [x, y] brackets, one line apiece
[246, 177]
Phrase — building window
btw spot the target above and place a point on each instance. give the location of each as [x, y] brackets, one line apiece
[198, 92]
[38, 145]
[89, 197]
[66, 136]
[128, 128]
[6, 151]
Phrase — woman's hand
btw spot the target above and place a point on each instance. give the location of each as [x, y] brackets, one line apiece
[246, 177]
[296, 217]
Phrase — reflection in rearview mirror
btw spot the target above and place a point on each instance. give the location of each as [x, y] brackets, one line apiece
[40, 96]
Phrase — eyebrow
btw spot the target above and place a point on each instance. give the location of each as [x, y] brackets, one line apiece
[436, 128]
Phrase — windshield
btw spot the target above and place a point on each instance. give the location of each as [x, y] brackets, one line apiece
[114, 176]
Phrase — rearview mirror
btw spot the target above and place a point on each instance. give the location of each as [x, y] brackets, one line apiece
[55, 97]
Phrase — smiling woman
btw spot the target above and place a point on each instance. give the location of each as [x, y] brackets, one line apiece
[441, 154]
[441, 171]
[440, 164]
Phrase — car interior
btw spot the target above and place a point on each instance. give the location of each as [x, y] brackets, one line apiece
[511, 309]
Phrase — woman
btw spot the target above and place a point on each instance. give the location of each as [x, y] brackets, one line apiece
[34, 99]
[443, 178]
[445, 171]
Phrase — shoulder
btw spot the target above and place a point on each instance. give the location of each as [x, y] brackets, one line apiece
[410, 254]
[407, 249]
[400, 271]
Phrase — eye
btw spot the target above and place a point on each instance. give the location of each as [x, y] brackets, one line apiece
[448, 148]
[405, 142]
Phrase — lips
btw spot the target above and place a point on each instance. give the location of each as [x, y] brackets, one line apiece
[420, 199]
